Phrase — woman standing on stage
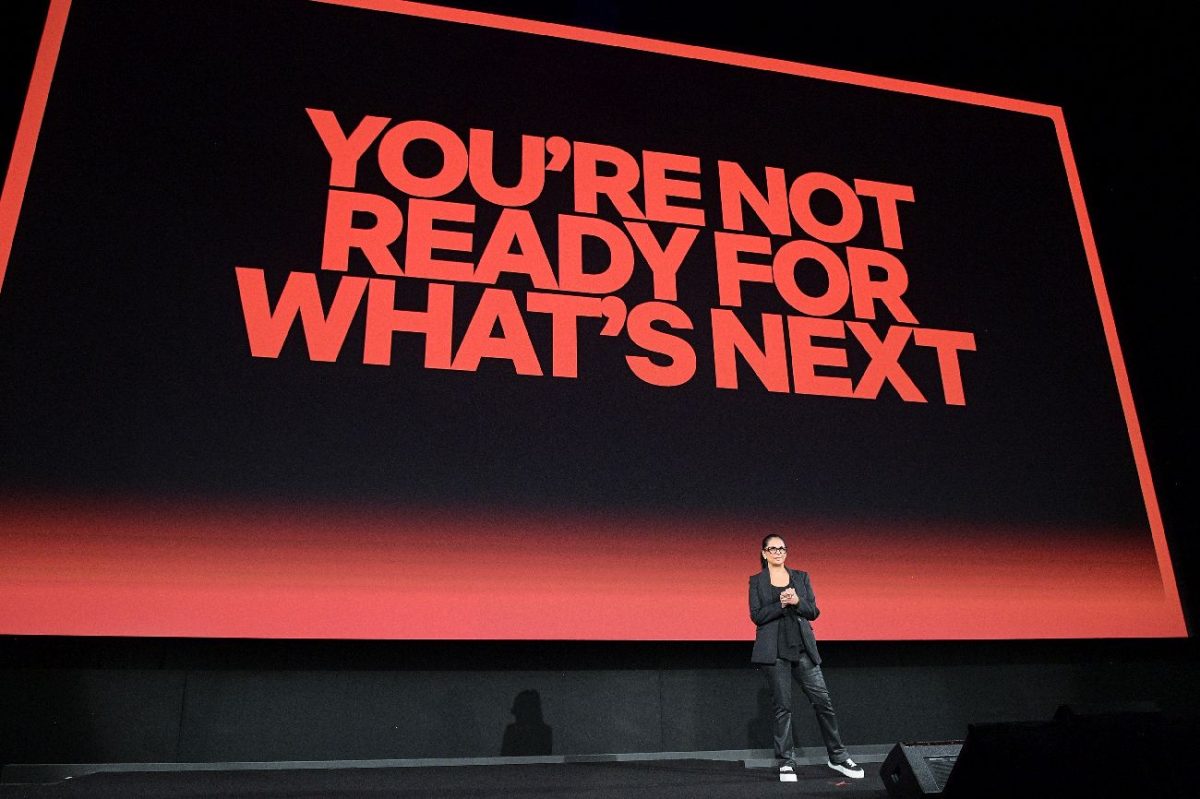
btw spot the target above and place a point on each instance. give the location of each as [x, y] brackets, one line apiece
[782, 605]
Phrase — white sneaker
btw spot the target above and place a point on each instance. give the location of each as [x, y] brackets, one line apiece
[849, 768]
[787, 772]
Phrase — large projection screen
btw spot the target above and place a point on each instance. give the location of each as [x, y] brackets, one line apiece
[371, 319]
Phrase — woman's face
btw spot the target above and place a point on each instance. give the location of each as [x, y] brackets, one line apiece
[775, 551]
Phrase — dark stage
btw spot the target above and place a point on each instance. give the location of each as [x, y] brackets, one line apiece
[666, 779]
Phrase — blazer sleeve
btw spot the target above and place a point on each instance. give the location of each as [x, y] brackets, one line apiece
[807, 609]
[761, 614]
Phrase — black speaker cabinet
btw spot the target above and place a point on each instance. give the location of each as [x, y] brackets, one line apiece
[916, 770]
[1123, 756]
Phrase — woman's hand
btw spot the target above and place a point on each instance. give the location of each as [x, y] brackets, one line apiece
[789, 597]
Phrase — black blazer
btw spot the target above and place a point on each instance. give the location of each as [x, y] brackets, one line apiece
[765, 612]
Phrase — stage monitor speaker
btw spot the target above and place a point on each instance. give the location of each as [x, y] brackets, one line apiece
[1123, 756]
[1013, 759]
[918, 770]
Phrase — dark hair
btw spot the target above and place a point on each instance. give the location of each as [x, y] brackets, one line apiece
[767, 538]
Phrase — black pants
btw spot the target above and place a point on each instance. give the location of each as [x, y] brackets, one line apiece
[812, 682]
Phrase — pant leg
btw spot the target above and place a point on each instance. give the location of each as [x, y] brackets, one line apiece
[779, 677]
[812, 682]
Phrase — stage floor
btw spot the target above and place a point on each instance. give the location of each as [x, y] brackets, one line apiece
[662, 779]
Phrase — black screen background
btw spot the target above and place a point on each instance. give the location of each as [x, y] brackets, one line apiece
[129, 370]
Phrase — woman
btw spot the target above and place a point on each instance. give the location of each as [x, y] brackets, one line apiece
[782, 605]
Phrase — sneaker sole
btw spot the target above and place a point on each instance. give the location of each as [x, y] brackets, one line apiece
[787, 777]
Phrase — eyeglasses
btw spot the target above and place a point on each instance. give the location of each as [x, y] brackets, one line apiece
[776, 550]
